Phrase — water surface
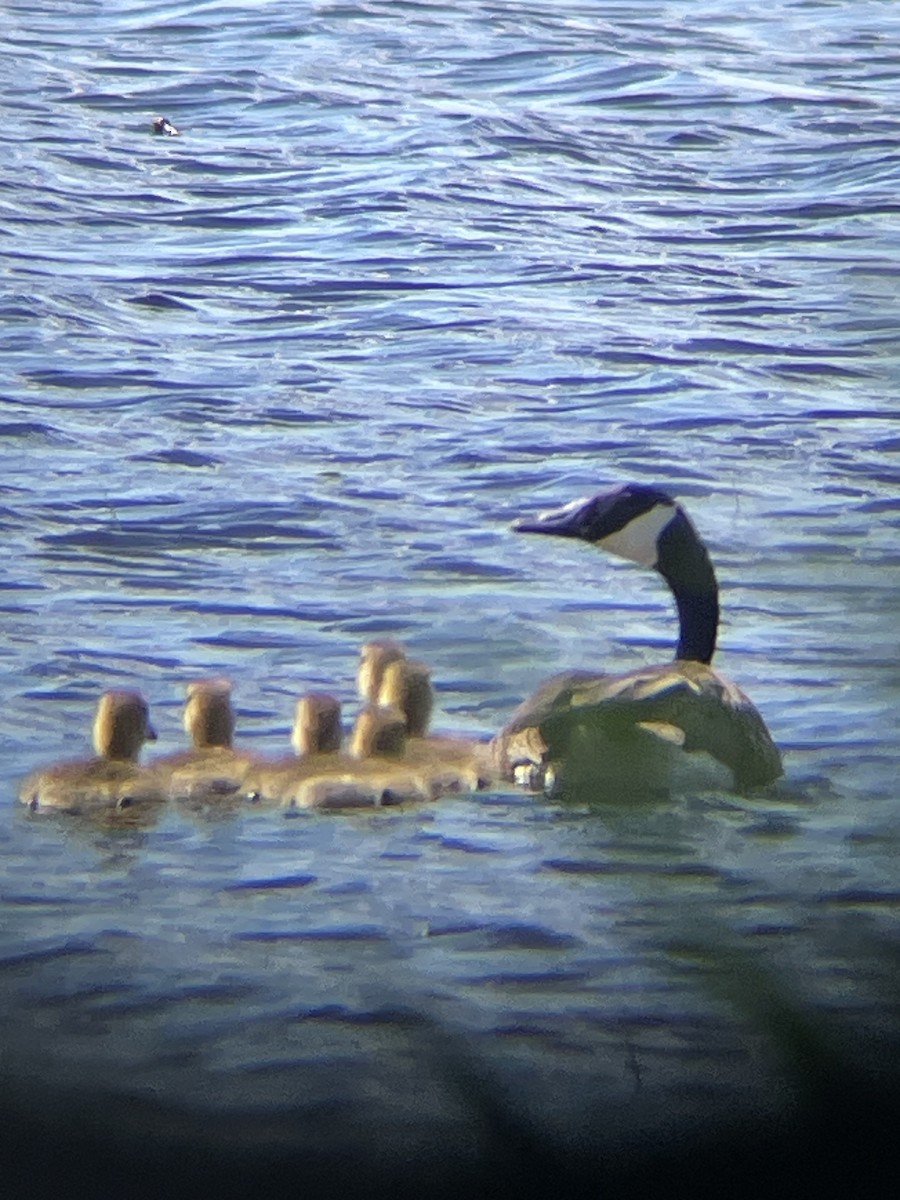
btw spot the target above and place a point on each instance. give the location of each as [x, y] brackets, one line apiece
[281, 384]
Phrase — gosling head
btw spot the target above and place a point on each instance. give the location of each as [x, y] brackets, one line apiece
[407, 686]
[122, 725]
[208, 714]
[380, 732]
[317, 724]
[374, 657]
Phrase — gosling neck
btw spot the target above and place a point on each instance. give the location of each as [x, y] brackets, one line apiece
[684, 564]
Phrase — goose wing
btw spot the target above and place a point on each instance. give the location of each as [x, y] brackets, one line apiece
[683, 703]
[520, 745]
[713, 713]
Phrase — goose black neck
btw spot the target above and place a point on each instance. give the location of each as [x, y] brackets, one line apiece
[684, 564]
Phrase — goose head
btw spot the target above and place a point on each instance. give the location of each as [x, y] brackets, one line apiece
[649, 527]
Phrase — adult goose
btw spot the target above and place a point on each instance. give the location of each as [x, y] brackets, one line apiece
[646, 730]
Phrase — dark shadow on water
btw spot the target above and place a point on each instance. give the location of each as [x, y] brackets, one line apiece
[830, 1130]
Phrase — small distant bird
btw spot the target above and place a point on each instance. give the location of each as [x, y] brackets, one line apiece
[164, 126]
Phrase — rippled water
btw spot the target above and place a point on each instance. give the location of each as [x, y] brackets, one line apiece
[282, 383]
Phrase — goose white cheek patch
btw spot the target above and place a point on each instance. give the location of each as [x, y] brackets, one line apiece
[637, 541]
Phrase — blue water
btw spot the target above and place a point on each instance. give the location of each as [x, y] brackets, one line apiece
[281, 384]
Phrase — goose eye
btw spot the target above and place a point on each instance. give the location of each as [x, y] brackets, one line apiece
[125, 802]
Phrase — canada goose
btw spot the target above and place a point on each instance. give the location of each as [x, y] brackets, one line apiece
[212, 768]
[110, 780]
[636, 731]
[450, 764]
